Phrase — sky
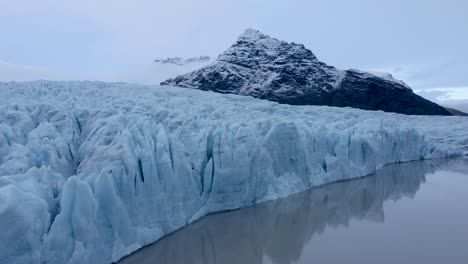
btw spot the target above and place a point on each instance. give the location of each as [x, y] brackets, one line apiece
[422, 42]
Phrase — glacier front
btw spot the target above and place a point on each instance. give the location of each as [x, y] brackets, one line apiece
[92, 171]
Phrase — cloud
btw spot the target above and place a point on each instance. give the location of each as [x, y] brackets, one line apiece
[149, 73]
[431, 73]
[456, 98]
[155, 73]
[446, 96]
[433, 95]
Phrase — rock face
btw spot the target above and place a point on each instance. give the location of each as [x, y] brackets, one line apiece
[266, 68]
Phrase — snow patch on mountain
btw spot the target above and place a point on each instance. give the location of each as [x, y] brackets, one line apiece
[388, 77]
[181, 61]
[92, 171]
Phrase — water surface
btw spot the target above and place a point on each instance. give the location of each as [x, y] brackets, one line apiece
[413, 212]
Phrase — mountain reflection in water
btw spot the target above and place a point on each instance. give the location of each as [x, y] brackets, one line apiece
[278, 230]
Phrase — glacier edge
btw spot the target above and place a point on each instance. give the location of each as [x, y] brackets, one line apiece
[103, 169]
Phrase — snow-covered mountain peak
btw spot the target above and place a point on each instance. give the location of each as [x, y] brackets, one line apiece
[264, 67]
[251, 34]
[257, 44]
[389, 77]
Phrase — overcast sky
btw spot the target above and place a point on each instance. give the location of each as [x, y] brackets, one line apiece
[423, 42]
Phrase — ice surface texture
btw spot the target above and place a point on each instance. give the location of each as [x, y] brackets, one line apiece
[90, 171]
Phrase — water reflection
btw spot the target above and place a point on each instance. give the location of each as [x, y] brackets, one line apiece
[278, 230]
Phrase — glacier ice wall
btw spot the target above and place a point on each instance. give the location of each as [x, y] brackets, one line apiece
[91, 171]
[277, 231]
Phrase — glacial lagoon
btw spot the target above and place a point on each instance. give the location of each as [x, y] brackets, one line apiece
[414, 212]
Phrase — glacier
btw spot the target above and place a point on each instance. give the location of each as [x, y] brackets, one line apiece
[91, 171]
[279, 231]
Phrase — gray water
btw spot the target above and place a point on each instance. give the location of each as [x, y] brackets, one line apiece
[405, 213]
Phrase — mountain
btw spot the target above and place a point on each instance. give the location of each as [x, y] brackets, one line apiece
[180, 61]
[463, 106]
[267, 68]
[456, 112]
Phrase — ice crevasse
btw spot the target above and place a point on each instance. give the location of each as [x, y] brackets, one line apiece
[92, 171]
